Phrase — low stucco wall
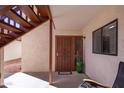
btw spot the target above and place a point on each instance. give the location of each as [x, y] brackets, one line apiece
[13, 51]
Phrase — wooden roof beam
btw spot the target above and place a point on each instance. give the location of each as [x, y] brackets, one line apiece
[13, 15]
[51, 17]
[30, 13]
[45, 11]
[9, 27]
[1, 42]
[6, 35]
[4, 9]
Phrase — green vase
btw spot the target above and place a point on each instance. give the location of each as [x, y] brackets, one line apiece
[79, 63]
[79, 67]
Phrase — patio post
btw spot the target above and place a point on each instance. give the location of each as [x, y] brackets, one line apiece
[50, 52]
[1, 66]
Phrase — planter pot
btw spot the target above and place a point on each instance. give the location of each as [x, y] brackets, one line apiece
[79, 67]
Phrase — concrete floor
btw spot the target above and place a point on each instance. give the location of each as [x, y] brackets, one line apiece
[6, 75]
[23, 80]
[62, 81]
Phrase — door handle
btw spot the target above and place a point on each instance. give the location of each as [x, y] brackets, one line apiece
[57, 54]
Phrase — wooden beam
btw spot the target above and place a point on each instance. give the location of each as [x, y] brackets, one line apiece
[50, 53]
[4, 9]
[43, 10]
[30, 13]
[49, 13]
[17, 35]
[2, 42]
[50, 16]
[6, 40]
[2, 34]
[13, 15]
[9, 27]
[6, 35]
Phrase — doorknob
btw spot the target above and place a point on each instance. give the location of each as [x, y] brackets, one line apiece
[57, 54]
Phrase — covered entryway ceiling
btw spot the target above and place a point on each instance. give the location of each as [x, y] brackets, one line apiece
[73, 17]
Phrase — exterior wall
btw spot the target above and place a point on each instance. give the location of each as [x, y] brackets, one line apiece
[103, 68]
[35, 49]
[13, 51]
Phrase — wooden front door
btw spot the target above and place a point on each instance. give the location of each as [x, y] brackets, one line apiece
[65, 53]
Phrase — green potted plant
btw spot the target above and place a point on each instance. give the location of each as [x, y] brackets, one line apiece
[79, 64]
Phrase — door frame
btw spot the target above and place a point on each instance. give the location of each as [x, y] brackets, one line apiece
[56, 44]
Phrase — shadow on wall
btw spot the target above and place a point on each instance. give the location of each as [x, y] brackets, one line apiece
[12, 66]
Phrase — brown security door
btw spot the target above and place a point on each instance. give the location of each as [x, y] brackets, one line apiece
[67, 48]
[64, 49]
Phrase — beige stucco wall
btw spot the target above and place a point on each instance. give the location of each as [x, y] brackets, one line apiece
[103, 68]
[35, 49]
[13, 51]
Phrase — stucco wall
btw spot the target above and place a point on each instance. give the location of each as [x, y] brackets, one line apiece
[103, 68]
[12, 51]
[35, 49]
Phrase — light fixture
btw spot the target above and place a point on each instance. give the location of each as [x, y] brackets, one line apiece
[111, 27]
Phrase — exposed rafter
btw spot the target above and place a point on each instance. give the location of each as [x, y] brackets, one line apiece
[4, 9]
[9, 27]
[13, 15]
[1, 42]
[51, 17]
[45, 12]
[30, 13]
[16, 20]
[5, 35]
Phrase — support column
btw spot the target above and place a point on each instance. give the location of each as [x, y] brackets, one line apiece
[50, 52]
[1, 66]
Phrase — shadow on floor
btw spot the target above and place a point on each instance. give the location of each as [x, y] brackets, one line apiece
[6, 75]
[61, 81]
